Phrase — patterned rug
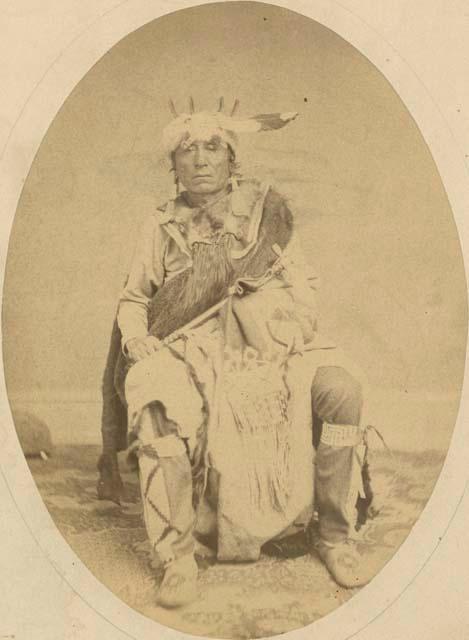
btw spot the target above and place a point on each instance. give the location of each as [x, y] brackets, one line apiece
[271, 596]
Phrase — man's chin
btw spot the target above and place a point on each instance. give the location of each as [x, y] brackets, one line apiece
[204, 188]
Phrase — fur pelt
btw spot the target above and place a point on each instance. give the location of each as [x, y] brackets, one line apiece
[214, 271]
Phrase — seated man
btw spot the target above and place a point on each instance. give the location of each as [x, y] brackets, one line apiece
[225, 371]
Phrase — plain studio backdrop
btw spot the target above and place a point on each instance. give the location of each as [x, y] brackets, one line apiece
[370, 206]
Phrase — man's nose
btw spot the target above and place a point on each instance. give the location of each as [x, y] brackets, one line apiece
[200, 159]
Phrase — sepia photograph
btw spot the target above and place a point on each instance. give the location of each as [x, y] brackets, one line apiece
[234, 321]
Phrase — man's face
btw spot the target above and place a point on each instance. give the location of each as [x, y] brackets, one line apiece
[203, 166]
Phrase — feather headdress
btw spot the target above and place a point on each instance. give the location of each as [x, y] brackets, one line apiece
[204, 125]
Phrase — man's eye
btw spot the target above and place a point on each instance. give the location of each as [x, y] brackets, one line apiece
[212, 147]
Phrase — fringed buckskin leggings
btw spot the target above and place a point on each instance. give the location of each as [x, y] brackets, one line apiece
[166, 475]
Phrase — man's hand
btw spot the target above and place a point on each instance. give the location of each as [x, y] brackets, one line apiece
[138, 348]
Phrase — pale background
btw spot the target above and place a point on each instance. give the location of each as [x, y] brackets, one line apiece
[433, 38]
[371, 210]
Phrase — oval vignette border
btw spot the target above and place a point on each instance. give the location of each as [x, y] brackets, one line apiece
[46, 98]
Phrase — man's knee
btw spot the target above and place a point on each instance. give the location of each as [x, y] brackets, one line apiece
[337, 396]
